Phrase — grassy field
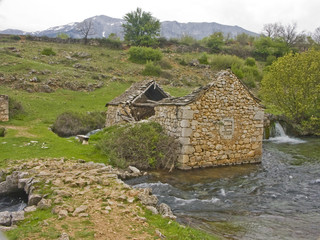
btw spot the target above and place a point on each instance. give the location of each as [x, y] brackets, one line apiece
[41, 111]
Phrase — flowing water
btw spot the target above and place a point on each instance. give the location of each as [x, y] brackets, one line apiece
[13, 202]
[277, 199]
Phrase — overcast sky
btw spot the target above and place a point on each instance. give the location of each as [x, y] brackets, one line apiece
[33, 15]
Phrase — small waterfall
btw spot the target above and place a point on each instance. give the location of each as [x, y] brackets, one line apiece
[281, 137]
[279, 131]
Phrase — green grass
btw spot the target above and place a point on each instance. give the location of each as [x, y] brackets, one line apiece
[173, 230]
[33, 225]
[41, 111]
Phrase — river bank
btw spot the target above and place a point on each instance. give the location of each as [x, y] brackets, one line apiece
[278, 199]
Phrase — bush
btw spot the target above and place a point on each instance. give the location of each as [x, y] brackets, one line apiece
[270, 60]
[112, 43]
[222, 62]
[48, 52]
[16, 110]
[15, 37]
[250, 62]
[236, 69]
[2, 131]
[203, 59]
[182, 62]
[144, 54]
[143, 145]
[151, 69]
[249, 81]
[71, 123]
[62, 36]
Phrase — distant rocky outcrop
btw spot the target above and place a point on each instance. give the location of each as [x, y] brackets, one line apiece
[104, 26]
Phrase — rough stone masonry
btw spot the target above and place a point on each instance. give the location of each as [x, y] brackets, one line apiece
[4, 108]
[216, 125]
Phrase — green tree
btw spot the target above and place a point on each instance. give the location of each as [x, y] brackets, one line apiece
[141, 29]
[266, 46]
[62, 36]
[244, 39]
[292, 86]
[215, 42]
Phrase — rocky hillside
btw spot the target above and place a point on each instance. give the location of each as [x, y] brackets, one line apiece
[105, 25]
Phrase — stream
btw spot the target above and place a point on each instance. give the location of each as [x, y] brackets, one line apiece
[277, 199]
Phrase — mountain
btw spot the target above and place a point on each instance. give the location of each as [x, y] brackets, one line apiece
[105, 25]
[173, 29]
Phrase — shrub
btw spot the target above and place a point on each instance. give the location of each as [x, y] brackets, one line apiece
[48, 52]
[236, 69]
[182, 62]
[72, 123]
[249, 81]
[144, 54]
[203, 59]
[15, 37]
[250, 62]
[62, 36]
[2, 131]
[222, 62]
[151, 69]
[112, 43]
[16, 110]
[143, 145]
[270, 60]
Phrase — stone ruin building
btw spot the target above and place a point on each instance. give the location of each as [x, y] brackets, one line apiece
[4, 108]
[218, 124]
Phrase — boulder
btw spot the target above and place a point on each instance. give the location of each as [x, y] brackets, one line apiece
[64, 236]
[134, 170]
[165, 211]
[30, 209]
[17, 216]
[44, 203]
[5, 218]
[152, 209]
[63, 213]
[146, 198]
[34, 199]
[80, 209]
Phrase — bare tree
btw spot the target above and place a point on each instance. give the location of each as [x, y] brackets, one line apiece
[290, 34]
[86, 29]
[316, 35]
[273, 30]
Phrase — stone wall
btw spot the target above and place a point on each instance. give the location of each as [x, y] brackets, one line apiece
[4, 108]
[224, 126]
[114, 115]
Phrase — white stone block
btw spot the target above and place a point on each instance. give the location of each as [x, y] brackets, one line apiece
[188, 149]
[185, 123]
[183, 159]
[184, 140]
[186, 132]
